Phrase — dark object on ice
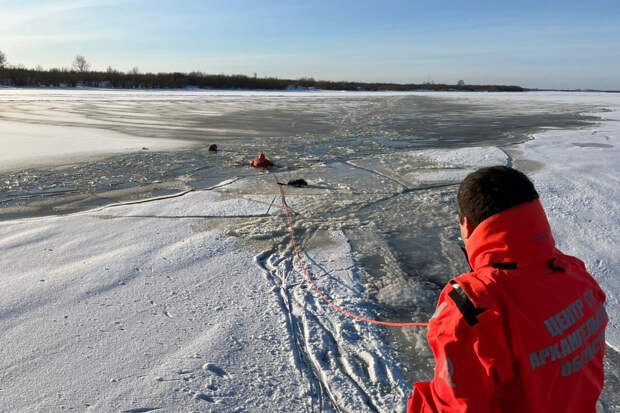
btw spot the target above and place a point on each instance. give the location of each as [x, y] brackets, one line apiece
[261, 162]
[213, 148]
[144, 148]
[298, 183]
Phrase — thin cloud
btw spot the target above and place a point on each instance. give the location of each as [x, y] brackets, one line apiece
[17, 17]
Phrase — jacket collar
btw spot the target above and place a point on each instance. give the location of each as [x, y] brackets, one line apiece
[520, 234]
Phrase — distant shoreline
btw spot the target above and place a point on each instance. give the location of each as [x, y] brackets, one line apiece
[207, 89]
[64, 78]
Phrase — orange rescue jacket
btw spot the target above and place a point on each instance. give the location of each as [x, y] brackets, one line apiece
[261, 162]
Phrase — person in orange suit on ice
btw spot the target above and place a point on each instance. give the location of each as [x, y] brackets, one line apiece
[261, 162]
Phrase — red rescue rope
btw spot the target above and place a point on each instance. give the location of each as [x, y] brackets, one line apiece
[318, 291]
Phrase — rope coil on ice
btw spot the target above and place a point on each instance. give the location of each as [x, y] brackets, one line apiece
[316, 288]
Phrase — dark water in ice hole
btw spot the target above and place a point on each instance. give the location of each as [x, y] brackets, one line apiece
[406, 242]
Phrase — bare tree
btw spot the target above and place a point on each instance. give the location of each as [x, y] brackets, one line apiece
[461, 83]
[80, 64]
[2, 59]
[134, 70]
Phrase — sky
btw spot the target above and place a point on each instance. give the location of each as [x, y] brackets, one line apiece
[538, 44]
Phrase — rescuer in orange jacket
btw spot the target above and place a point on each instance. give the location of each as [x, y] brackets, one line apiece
[525, 330]
[261, 162]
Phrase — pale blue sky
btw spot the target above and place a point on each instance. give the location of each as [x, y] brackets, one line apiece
[546, 44]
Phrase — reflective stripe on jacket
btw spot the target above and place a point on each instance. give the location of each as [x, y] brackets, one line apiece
[524, 332]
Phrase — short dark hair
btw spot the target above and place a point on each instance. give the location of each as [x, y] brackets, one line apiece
[489, 191]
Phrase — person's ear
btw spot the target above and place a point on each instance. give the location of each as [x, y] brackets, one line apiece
[468, 227]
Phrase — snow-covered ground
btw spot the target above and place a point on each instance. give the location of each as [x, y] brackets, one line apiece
[151, 306]
[163, 305]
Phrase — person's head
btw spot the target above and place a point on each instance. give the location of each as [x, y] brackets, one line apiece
[489, 191]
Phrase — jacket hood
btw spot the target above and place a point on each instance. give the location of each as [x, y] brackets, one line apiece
[520, 235]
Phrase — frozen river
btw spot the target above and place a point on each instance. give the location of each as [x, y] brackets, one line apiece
[383, 170]
[160, 138]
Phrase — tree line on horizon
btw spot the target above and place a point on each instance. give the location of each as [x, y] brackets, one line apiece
[80, 75]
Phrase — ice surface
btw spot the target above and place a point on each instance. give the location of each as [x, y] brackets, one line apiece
[203, 204]
[29, 145]
[119, 95]
[454, 165]
[194, 302]
[46, 126]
